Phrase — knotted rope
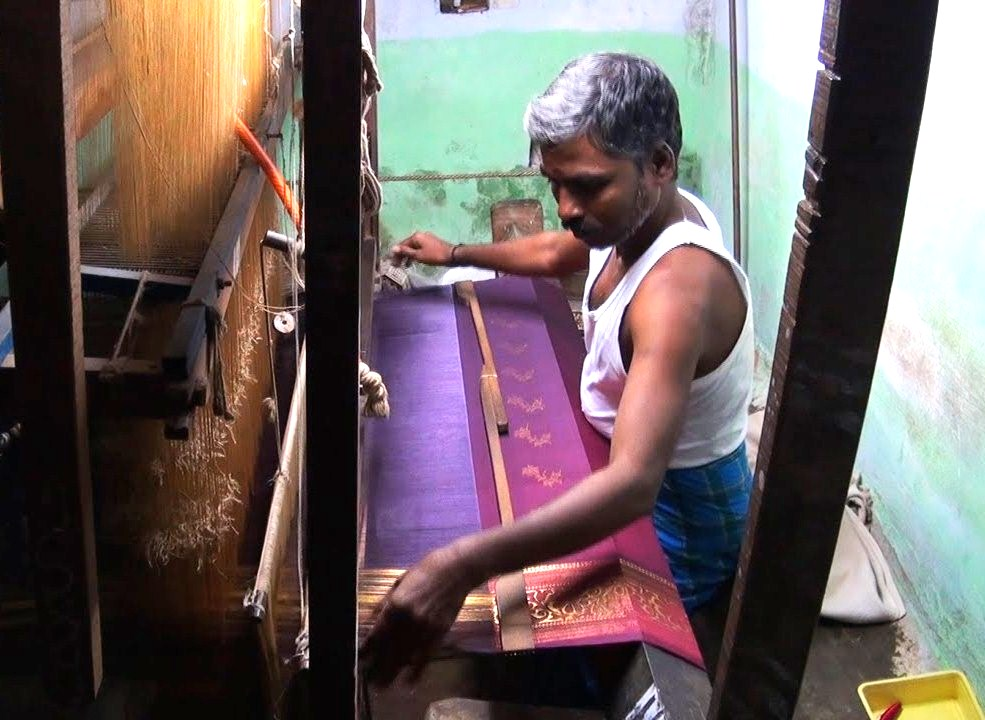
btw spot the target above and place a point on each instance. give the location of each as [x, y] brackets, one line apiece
[377, 399]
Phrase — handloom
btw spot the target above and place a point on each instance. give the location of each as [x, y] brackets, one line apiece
[177, 298]
[183, 196]
[429, 469]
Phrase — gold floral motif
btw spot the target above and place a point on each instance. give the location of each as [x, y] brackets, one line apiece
[524, 433]
[547, 479]
[536, 405]
[515, 348]
[525, 376]
[619, 595]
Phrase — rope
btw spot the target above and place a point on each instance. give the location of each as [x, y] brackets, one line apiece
[416, 177]
[370, 191]
[377, 398]
[370, 383]
[214, 326]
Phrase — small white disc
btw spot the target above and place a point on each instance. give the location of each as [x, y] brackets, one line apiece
[284, 322]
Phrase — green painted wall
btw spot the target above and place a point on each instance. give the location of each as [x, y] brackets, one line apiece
[921, 447]
[455, 105]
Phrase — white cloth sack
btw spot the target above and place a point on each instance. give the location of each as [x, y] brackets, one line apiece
[860, 586]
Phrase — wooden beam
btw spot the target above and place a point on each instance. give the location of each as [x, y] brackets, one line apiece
[95, 86]
[38, 147]
[863, 134]
[371, 235]
[124, 282]
[332, 96]
[184, 357]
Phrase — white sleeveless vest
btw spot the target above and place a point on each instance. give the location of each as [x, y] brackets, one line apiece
[717, 408]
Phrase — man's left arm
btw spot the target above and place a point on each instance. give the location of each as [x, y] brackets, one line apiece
[666, 330]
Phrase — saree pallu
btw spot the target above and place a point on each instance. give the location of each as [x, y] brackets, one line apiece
[428, 473]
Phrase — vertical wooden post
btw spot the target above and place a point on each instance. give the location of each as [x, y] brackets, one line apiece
[38, 147]
[332, 94]
[371, 234]
[862, 137]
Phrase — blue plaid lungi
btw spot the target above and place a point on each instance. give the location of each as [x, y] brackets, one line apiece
[700, 519]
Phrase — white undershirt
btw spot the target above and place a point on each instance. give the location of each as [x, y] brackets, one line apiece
[717, 408]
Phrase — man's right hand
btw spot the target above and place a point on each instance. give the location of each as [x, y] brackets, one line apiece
[422, 247]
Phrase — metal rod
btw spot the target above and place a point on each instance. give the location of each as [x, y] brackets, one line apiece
[128, 323]
[736, 145]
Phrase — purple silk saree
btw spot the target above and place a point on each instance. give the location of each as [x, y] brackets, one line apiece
[428, 476]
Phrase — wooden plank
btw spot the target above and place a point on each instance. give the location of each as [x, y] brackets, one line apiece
[863, 134]
[114, 281]
[332, 121]
[38, 148]
[136, 389]
[368, 260]
[511, 219]
[220, 266]
[466, 290]
[515, 627]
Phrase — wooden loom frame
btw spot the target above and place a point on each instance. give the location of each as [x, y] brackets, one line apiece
[863, 135]
[42, 102]
[172, 388]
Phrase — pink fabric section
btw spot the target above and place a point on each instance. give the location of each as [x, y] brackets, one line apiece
[621, 588]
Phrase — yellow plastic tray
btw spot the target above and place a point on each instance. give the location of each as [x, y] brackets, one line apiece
[935, 696]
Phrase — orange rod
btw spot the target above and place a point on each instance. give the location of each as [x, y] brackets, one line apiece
[270, 170]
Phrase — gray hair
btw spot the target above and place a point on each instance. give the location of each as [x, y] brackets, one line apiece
[624, 104]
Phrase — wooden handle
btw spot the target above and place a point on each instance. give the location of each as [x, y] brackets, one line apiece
[515, 625]
[496, 452]
[466, 291]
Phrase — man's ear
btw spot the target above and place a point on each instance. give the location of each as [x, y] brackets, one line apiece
[663, 163]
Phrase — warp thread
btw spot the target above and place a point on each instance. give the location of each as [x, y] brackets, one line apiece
[377, 398]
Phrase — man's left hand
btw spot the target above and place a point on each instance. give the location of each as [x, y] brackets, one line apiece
[415, 616]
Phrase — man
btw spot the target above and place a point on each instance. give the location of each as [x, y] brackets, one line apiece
[668, 372]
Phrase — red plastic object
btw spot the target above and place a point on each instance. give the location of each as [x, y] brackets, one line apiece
[892, 712]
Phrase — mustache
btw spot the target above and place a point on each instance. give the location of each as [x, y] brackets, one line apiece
[579, 227]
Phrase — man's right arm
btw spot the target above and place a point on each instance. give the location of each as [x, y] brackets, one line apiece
[547, 254]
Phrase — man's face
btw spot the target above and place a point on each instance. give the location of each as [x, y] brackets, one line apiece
[602, 200]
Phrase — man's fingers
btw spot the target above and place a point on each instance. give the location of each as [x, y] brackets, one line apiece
[390, 644]
[420, 658]
[403, 255]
